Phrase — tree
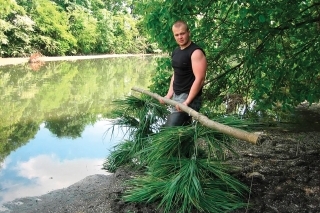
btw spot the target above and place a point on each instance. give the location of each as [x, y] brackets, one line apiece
[16, 29]
[84, 27]
[105, 31]
[125, 33]
[51, 34]
[267, 51]
[119, 7]
[61, 27]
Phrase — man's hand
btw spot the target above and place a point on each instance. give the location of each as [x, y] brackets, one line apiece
[178, 108]
[162, 101]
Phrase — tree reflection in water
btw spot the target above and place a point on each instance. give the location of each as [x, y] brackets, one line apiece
[67, 97]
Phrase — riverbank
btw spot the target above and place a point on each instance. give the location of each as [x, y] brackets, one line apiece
[94, 193]
[15, 61]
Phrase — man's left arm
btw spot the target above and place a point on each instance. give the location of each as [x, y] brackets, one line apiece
[199, 67]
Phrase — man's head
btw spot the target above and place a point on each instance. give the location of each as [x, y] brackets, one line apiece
[181, 34]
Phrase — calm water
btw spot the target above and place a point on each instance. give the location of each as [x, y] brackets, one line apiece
[54, 120]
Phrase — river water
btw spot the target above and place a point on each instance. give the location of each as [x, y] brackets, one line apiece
[55, 117]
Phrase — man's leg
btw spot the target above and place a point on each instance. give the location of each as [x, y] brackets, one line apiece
[178, 119]
[182, 118]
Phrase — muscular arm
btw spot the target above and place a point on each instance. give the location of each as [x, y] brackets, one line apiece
[199, 66]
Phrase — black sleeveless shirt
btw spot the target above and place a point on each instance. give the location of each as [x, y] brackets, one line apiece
[183, 74]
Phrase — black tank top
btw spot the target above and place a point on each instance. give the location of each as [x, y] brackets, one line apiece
[183, 74]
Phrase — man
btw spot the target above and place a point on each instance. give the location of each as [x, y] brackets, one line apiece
[189, 64]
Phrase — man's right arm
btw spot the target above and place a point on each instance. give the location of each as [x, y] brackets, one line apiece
[170, 91]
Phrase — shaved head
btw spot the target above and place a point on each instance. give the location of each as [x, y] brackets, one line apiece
[179, 24]
[181, 34]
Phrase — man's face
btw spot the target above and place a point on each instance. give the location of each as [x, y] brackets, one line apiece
[181, 35]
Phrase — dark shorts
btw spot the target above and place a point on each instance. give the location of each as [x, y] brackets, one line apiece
[177, 118]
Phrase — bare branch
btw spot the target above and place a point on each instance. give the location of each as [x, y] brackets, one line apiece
[235, 132]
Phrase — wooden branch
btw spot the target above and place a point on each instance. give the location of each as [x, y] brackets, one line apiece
[231, 131]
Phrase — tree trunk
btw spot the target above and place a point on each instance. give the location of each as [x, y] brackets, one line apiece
[204, 120]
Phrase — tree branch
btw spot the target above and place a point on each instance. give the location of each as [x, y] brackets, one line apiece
[231, 131]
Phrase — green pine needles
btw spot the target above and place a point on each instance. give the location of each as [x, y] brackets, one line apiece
[185, 184]
[139, 118]
[183, 167]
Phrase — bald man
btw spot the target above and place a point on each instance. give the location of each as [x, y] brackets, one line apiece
[189, 64]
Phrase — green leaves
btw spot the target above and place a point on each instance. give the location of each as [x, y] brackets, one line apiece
[262, 19]
[70, 27]
[15, 28]
[252, 47]
[243, 12]
[84, 27]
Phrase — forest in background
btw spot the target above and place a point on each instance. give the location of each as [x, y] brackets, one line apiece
[62, 27]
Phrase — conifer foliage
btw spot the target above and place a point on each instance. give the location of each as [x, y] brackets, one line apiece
[182, 168]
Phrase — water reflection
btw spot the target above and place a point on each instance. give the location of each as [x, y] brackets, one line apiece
[47, 163]
[53, 122]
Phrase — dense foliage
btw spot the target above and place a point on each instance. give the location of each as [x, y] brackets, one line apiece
[56, 28]
[266, 51]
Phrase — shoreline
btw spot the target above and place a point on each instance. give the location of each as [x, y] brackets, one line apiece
[94, 193]
[92, 189]
[21, 60]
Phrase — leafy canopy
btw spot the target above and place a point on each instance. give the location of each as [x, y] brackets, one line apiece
[267, 51]
[69, 27]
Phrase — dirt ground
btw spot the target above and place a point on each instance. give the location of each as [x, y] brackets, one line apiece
[283, 173]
